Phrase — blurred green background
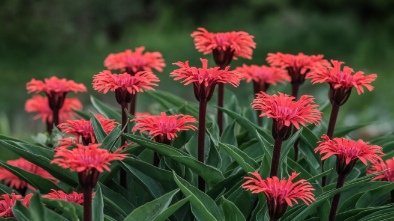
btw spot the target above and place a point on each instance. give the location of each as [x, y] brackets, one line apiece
[70, 39]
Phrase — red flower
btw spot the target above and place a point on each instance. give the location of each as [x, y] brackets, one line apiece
[124, 83]
[40, 105]
[56, 90]
[73, 197]
[164, 127]
[135, 61]
[239, 43]
[15, 182]
[9, 201]
[342, 81]
[83, 129]
[86, 158]
[106, 81]
[348, 152]
[262, 76]
[387, 166]
[280, 193]
[204, 79]
[286, 110]
[297, 66]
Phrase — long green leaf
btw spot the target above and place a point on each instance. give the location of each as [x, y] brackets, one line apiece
[20, 212]
[151, 210]
[246, 163]
[105, 110]
[203, 207]
[210, 174]
[171, 210]
[44, 185]
[98, 205]
[36, 208]
[231, 211]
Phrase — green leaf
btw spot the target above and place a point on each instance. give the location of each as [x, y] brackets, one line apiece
[98, 205]
[36, 208]
[44, 185]
[203, 207]
[6, 190]
[20, 212]
[343, 131]
[210, 174]
[171, 210]
[97, 128]
[72, 210]
[42, 158]
[372, 194]
[151, 210]
[109, 142]
[116, 201]
[230, 211]
[106, 110]
[246, 163]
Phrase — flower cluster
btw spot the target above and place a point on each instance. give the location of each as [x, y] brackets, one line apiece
[8, 201]
[73, 197]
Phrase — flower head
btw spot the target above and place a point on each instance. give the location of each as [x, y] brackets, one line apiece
[387, 167]
[263, 75]
[83, 129]
[124, 84]
[86, 158]
[297, 66]
[164, 127]
[40, 105]
[8, 201]
[55, 88]
[341, 81]
[14, 181]
[280, 193]
[133, 62]
[239, 42]
[348, 152]
[204, 79]
[73, 197]
[286, 111]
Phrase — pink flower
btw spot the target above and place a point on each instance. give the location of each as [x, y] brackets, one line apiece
[83, 129]
[40, 105]
[164, 127]
[239, 43]
[348, 152]
[9, 201]
[387, 167]
[73, 197]
[204, 79]
[135, 61]
[280, 193]
[14, 181]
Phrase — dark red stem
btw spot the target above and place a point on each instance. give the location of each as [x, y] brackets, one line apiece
[133, 105]
[123, 174]
[156, 159]
[201, 138]
[220, 104]
[335, 201]
[275, 157]
[87, 203]
[330, 132]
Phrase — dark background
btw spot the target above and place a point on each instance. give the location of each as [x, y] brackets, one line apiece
[70, 39]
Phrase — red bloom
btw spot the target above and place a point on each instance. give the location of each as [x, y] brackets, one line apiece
[135, 61]
[240, 43]
[348, 152]
[280, 193]
[15, 182]
[40, 105]
[387, 166]
[83, 129]
[164, 127]
[9, 201]
[106, 81]
[338, 78]
[73, 197]
[204, 79]
[262, 74]
[86, 158]
[297, 66]
[342, 81]
[286, 110]
[54, 85]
